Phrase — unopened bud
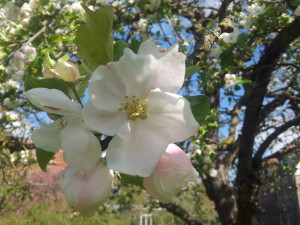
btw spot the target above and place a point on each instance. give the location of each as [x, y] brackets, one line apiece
[62, 70]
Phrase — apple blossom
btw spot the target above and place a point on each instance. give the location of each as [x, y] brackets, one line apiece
[230, 37]
[297, 11]
[81, 147]
[256, 9]
[86, 191]
[135, 100]
[172, 173]
[62, 70]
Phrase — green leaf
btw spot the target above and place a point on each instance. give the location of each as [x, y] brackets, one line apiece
[94, 39]
[226, 59]
[295, 3]
[51, 83]
[135, 180]
[48, 61]
[190, 69]
[64, 58]
[43, 157]
[200, 106]
[83, 81]
[135, 45]
[119, 47]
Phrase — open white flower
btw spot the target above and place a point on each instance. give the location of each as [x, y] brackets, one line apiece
[230, 37]
[86, 191]
[81, 147]
[135, 99]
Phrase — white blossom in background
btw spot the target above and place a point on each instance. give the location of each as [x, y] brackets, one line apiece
[297, 11]
[5, 87]
[11, 115]
[246, 21]
[229, 80]
[81, 147]
[86, 191]
[230, 37]
[116, 3]
[130, 99]
[256, 9]
[142, 25]
[216, 51]
[103, 2]
[76, 7]
[213, 172]
[172, 173]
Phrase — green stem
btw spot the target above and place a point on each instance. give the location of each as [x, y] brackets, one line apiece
[73, 88]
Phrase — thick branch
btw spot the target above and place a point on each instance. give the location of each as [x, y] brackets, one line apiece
[271, 106]
[279, 130]
[204, 43]
[180, 212]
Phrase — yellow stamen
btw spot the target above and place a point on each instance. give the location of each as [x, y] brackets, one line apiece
[135, 108]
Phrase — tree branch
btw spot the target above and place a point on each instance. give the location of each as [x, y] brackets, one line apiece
[180, 212]
[204, 43]
[279, 130]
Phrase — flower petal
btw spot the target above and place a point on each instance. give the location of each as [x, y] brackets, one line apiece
[174, 112]
[104, 122]
[86, 191]
[47, 137]
[137, 148]
[53, 101]
[81, 147]
[170, 66]
[106, 89]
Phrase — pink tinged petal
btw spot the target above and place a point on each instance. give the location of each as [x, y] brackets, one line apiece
[104, 122]
[137, 147]
[53, 101]
[86, 191]
[47, 137]
[81, 147]
[106, 89]
[169, 69]
[172, 173]
[174, 112]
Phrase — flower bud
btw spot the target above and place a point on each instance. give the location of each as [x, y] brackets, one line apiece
[172, 173]
[62, 70]
[19, 56]
[86, 191]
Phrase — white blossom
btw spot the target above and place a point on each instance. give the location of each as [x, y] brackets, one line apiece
[297, 11]
[86, 191]
[81, 147]
[230, 37]
[132, 100]
[256, 9]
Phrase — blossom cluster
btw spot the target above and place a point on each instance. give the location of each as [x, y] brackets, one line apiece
[134, 100]
[229, 80]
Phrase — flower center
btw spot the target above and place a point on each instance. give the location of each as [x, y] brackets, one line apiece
[135, 108]
[62, 123]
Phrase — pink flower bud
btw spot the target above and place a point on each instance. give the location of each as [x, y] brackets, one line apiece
[172, 173]
[86, 191]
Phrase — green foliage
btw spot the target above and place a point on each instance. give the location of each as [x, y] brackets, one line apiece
[50, 83]
[135, 180]
[135, 45]
[190, 69]
[119, 47]
[200, 106]
[94, 39]
[226, 58]
[43, 158]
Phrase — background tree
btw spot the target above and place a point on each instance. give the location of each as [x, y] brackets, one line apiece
[250, 112]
